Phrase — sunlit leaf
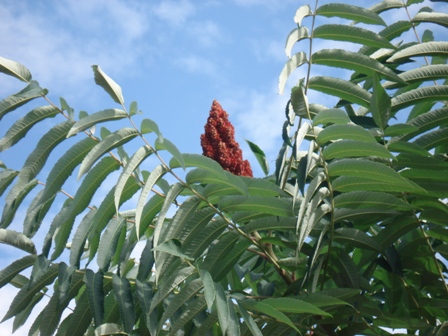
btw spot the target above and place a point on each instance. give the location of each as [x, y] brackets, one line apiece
[422, 74]
[108, 84]
[293, 63]
[18, 240]
[15, 69]
[294, 36]
[301, 13]
[420, 50]
[433, 17]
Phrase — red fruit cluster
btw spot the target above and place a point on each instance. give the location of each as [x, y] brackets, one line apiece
[218, 143]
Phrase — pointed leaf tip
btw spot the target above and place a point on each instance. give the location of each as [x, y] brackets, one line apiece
[108, 84]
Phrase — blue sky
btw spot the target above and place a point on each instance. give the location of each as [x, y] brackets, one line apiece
[172, 57]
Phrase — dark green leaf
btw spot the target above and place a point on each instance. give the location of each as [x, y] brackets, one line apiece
[123, 295]
[337, 32]
[95, 294]
[350, 12]
[355, 148]
[260, 156]
[341, 88]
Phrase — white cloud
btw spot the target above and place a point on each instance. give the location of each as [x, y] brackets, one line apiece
[60, 47]
[207, 33]
[175, 12]
[197, 64]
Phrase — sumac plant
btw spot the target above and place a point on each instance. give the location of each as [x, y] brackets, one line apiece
[348, 236]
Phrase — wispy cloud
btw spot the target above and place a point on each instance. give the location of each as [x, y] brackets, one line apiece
[175, 12]
[197, 65]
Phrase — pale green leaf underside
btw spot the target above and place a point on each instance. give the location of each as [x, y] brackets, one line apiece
[293, 63]
[350, 12]
[420, 50]
[108, 84]
[432, 93]
[341, 88]
[420, 75]
[302, 12]
[18, 240]
[386, 5]
[434, 17]
[95, 118]
[15, 69]
[294, 36]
